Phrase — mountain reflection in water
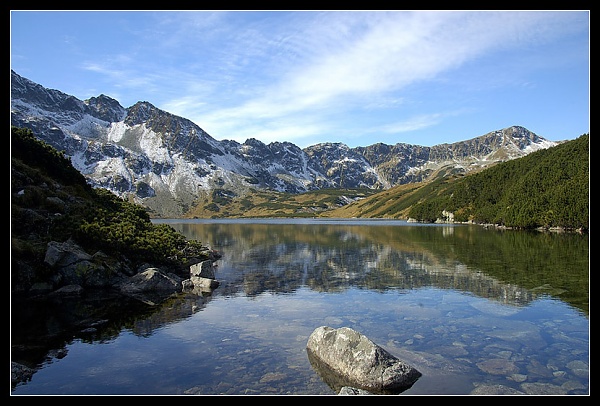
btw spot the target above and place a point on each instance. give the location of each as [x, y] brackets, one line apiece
[396, 255]
[473, 309]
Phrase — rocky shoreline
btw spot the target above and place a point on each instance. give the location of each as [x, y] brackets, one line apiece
[94, 281]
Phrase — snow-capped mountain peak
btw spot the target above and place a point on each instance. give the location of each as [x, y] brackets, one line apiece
[169, 164]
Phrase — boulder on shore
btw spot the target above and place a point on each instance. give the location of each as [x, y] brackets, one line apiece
[344, 357]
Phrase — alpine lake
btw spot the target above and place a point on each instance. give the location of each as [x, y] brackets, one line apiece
[477, 311]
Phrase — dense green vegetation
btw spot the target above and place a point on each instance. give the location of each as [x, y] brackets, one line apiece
[119, 227]
[51, 201]
[547, 188]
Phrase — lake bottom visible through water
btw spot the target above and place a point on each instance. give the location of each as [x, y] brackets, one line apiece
[408, 293]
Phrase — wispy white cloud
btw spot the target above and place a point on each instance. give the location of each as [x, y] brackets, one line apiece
[377, 53]
[412, 124]
[285, 75]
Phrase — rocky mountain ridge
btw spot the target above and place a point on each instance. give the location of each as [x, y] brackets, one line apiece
[169, 164]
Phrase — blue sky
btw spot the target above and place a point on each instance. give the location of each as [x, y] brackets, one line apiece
[356, 77]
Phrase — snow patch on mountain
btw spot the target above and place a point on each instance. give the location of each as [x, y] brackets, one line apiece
[152, 145]
[89, 126]
[169, 164]
[116, 131]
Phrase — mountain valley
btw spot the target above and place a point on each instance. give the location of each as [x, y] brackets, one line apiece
[172, 167]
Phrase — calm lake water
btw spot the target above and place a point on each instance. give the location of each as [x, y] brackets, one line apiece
[476, 311]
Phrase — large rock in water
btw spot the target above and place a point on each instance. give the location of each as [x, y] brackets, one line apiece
[344, 357]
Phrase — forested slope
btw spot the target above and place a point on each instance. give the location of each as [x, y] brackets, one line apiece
[51, 201]
[547, 188]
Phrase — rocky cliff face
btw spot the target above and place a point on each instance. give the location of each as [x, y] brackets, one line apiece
[168, 164]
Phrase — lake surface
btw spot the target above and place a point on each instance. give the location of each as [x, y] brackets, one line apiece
[476, 311]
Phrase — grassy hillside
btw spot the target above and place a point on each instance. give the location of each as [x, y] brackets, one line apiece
[547, 188]
[391, 203]
[264, 203]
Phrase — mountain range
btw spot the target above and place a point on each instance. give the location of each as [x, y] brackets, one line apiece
[169, 165]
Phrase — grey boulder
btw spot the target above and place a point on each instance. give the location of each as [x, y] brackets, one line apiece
[344, 357]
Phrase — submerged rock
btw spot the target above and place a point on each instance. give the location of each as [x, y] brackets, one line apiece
[344, 357]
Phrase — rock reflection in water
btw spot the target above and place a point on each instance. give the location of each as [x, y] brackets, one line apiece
[42, 327]
[477, 287]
